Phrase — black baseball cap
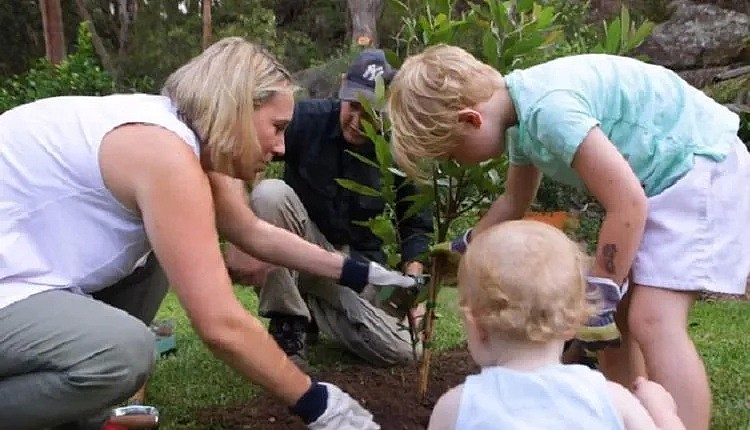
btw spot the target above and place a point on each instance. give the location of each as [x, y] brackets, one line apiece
[362, 75]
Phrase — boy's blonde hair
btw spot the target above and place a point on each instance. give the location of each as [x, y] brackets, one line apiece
[425, 98]
[217, 93]
[525, 280]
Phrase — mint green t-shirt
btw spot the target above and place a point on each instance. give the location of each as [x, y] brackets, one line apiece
[656, 120]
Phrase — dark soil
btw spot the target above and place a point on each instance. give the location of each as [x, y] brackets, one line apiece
[390, 394]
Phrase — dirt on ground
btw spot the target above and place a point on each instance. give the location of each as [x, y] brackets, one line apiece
[389, 393]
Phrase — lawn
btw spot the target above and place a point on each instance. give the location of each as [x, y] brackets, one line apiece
[192, 379]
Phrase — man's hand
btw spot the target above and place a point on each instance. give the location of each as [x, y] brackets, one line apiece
[357, 274]
[244, 268]
[379, 275]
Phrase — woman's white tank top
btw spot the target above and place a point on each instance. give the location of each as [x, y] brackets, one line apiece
[60, 227]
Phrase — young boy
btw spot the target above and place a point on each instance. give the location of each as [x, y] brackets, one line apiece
[663, 159]
[522, 292]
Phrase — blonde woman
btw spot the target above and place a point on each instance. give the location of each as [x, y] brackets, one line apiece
[92, 185]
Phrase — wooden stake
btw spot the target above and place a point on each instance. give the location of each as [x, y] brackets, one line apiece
[429, 323]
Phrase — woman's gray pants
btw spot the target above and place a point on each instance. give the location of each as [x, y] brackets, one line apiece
[65, 358]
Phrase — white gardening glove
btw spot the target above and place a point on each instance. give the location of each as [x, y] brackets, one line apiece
[343, 413]
[357, 274]
[379, 275]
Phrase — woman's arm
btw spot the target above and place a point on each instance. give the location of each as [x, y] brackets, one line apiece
[521, 185]
[608, 176]
[167, 186]
[238, 223]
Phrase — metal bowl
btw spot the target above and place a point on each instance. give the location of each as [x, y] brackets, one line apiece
[136, 417]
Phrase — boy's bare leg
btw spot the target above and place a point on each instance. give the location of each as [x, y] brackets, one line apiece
[658, 321]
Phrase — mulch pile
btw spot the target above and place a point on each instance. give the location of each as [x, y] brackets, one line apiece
[390, 394]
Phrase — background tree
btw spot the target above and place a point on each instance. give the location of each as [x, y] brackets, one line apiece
[54, 36]
[364, 16]
[206, 23]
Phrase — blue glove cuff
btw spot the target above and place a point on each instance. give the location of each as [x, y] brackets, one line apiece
[312, 404]
[459, 245]
[354, 274]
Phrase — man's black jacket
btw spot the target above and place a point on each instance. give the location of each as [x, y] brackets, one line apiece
[315, 156]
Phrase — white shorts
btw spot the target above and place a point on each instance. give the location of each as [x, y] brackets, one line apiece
[697, 235]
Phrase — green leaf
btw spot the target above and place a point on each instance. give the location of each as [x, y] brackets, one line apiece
[393, 59]
[443, 6]
[546, 17]
[640, 35]
[525, 5]
[358, 188]
[420, 203]
[363, 159]
[383, 154]
[379, 91]
[524, 46]
[614, 31]
[489, 49]
[500, 14]
[625, 24]
[403, 9]
[382, 227]
[369, 130]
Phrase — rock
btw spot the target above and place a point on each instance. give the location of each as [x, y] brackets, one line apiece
[698, 35]
[702, 77]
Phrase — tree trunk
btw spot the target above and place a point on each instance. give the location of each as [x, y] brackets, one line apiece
[127, 10]
[364, 15]
[206, 23]
[97, 41]
[54, 37]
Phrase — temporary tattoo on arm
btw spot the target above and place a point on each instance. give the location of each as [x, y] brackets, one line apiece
[609, 250]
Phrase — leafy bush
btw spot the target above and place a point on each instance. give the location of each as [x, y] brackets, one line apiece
[78, 74]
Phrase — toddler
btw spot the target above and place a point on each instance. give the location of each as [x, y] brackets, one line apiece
[522, 293]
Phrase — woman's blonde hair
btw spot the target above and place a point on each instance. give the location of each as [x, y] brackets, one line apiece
[525, 280]
[218, 91]
[424, 100]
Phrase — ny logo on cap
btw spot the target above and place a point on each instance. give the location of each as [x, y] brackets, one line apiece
[372, 72]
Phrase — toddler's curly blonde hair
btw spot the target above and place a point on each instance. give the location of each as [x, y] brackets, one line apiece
[424, 100]
[525, 280]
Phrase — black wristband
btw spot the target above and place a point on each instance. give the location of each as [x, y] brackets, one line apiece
[312, 404]
[354, 274]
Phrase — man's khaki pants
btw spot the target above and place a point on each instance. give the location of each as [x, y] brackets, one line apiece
[357, 321]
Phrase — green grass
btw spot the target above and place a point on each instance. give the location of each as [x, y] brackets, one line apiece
[192, 378]
[721, 332]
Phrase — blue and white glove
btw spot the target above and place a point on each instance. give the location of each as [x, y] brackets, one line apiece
[457, 245]
[600, 331]
[326, 407]
[357, 274]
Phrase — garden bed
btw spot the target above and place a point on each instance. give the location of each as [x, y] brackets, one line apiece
[389, 393]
